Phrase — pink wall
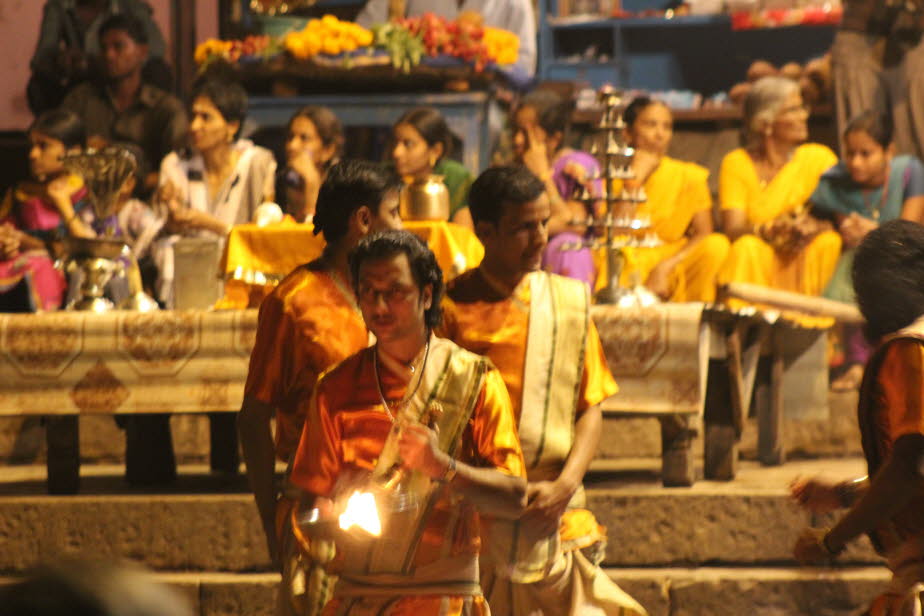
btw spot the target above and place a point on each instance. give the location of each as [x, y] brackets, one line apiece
[19, 24]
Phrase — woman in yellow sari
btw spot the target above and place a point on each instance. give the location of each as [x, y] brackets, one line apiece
[763, 188]
[684, 267]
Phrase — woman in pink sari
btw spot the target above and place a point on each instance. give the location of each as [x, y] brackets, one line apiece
[541, 126]
[36, 214]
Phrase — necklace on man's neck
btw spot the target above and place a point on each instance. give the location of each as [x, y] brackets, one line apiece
[407, 397]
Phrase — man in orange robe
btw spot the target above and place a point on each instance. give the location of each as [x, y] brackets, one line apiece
[309, 323]
[888, 504]
[423, 425]
[536, 329]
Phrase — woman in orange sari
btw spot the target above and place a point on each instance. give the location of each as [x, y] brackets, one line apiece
[763, 189]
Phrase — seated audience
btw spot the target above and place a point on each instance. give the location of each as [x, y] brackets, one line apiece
[68, 49]
[122, 107]
[37, 214]
[422, 143]
[869, 187]
[541, 125]
[763, 189]
[217, 183]
[314, 142]
[679, 205]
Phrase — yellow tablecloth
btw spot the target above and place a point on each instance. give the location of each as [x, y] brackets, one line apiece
[257, 258]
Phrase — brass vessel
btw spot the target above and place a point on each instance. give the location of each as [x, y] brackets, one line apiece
[425, 199]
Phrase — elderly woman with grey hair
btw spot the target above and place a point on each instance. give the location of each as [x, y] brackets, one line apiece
[763, 190]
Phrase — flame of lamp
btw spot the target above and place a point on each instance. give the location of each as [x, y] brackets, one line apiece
[361, 511]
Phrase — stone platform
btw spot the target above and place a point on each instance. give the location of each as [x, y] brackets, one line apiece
[715, 548]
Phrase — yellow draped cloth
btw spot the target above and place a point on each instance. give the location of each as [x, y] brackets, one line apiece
[891, 405]
[257, 258]
[676, 191]
[425, 562]
[548, 351]
[753, 260]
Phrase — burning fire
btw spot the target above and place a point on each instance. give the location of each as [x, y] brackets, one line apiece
[361, 511]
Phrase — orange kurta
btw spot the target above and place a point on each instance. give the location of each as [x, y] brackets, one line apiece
[346, 431]
[569, 582]
[892, 406]
[895, 408]
[498, 330]
[309, 323]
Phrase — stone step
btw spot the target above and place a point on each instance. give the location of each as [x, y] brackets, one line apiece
[219, 594]
[750, 521]
[761, 591]
[836, 435]
[705, 591]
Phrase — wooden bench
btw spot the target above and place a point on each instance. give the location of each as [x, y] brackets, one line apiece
[61, 365]
[696, 368]
[692, 367]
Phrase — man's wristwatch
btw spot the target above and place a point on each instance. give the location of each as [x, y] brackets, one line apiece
[450, 473]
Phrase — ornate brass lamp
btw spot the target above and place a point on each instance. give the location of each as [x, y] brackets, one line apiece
[98, 259]
[621, 226]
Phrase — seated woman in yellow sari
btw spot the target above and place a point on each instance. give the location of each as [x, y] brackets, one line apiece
[684, 267]
[763, 188]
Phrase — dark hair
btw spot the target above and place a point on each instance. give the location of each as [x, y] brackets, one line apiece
[229, 97]
[326, 123]
[501, 186]
[65, 126]
[424, 268]
[349, 185]
[431, 125]
[888, 277]
[875, 124]
[553, 113]
[128, 24]
[86, 587]
[639, 104]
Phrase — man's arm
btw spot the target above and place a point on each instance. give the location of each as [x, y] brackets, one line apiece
[253, 425]
[265, 376]
[547, 500]
[497, 486]
[374, 12]
[888, 492]
[493, 492]
[51, 31]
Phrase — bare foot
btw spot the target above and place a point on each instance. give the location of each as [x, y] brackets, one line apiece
[849, 380]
